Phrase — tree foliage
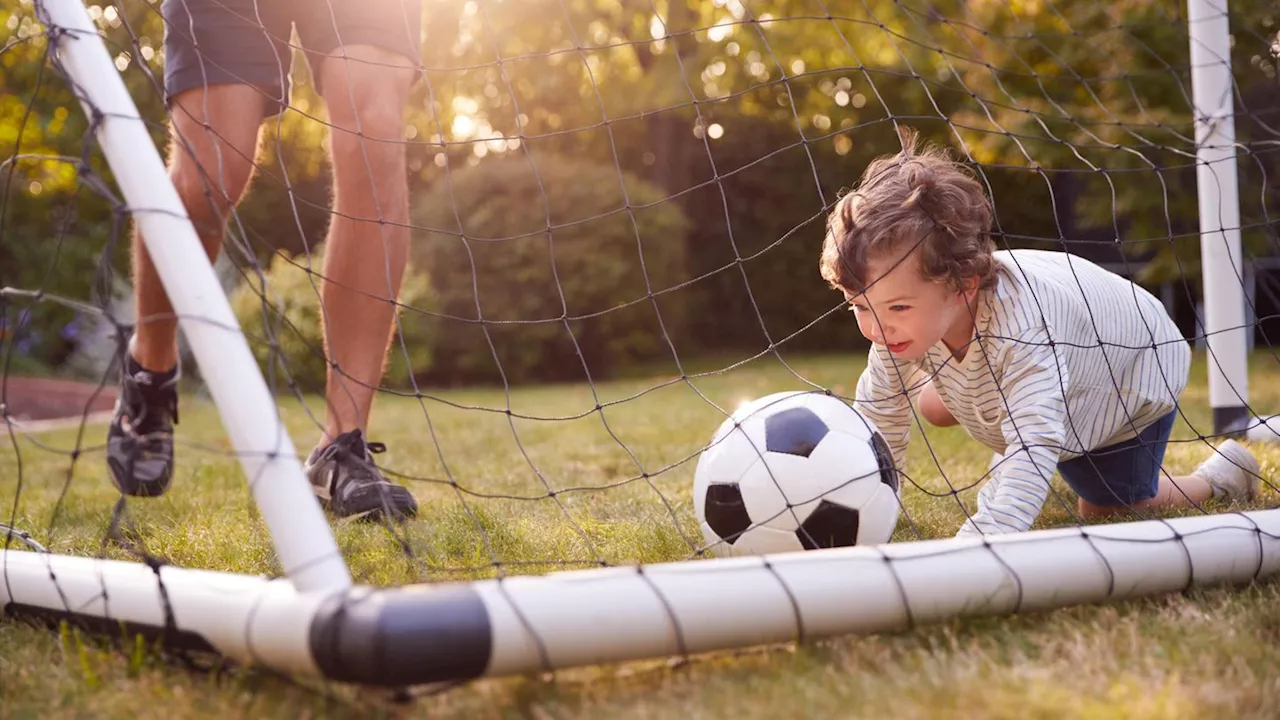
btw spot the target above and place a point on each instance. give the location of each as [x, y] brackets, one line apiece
[552, 268]
[749, 117]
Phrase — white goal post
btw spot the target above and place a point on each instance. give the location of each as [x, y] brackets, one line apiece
[1219, 200]
[314, 621]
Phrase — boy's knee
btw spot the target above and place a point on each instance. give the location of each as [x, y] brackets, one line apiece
[931, 408]
[1087, 509]
[938, 417]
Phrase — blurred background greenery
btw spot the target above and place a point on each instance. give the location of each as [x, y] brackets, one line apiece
[675, 158]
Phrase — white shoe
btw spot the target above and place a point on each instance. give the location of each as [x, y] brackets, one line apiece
[1232, 471]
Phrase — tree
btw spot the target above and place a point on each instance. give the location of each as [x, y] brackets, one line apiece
[747, 117]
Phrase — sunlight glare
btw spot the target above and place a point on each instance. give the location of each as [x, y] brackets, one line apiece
[721, 30]
[463, 126]
[657, 28]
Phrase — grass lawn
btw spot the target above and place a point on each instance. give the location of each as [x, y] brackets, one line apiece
[543, 479]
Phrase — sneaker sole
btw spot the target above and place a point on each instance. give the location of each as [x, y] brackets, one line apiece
[145, 488]
[371, 515]
[374, 516]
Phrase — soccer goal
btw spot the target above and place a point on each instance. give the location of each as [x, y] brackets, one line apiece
[616, 217]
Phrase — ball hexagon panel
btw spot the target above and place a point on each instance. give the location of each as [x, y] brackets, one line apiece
[761, 406]
[762, 539]
[728, 459]
[842, 469]
[794, 431]
[771, 489]
[829, 525]
[726, 513]
[745, 413]
[838, 415]
[724, 462]
[884, 457]
[878, 517]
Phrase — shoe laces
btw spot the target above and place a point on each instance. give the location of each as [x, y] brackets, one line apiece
[351, 446]
[150, 405]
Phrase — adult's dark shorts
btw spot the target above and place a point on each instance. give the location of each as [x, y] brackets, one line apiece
[247, 42]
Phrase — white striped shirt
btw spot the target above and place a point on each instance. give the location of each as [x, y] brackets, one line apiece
[1066, 358]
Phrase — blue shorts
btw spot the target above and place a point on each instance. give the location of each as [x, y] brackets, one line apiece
[1122, 474]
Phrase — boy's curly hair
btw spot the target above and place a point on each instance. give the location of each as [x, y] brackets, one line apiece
[919, 197]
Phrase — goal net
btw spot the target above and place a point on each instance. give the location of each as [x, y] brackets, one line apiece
[610, 218]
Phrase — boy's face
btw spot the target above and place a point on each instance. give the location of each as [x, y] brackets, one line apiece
[909, 313]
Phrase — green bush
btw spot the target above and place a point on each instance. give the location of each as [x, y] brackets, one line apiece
[528, 239]
[290, 307]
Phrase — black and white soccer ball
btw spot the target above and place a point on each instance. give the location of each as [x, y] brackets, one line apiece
[795, 471]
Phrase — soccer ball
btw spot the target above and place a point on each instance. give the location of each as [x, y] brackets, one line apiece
[795, 471]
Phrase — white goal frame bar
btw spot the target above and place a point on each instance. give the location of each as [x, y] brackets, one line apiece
[1217, 190]
[313, 621]
[421, 634]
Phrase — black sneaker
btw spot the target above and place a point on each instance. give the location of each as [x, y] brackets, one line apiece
[140, 439]
[347, 482]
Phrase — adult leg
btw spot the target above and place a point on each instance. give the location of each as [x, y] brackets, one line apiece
[366, 88]
[214, 135]
[221, 60]
[210, 162]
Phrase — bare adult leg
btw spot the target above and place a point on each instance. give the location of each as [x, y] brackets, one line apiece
[210, 162]
[214, 138]
[368, 240]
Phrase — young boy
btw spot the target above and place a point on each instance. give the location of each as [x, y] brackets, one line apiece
[1044, 357]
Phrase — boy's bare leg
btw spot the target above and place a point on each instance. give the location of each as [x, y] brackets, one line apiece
[1174, 492]
[368, 241]
[215, 135]
[930, 407]
[1230, 473]
[1179, 492]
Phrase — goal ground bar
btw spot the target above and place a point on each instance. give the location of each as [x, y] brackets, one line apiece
[431, 633]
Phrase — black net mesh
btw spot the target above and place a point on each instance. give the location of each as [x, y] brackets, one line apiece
[611, 217]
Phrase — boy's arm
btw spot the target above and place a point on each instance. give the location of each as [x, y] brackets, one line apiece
[1032, 392]
[883, 397]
